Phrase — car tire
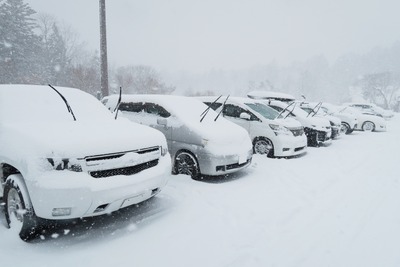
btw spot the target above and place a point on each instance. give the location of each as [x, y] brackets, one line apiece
[186, 163]
[368, 126]
[263, 146]
[345, 128]
[19, 212]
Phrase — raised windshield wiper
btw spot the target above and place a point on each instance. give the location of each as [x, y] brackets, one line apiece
[280, 113]
[204, 113]
[290, 111]
[223, 105]
[318, 106]
[118, 103]
[65, 101]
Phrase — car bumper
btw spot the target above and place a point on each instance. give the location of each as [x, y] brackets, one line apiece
[66, 195]
[335, 131]
[290, 146]
[211, 164]
[316, 138]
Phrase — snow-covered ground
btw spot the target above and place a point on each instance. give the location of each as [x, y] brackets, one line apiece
[335, 206]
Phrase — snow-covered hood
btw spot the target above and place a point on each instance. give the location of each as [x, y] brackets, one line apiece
[79, 139]
[320, 124]
[333, 119]
[288, 123]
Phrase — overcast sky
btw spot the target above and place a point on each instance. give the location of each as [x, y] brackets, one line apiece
[199, 35]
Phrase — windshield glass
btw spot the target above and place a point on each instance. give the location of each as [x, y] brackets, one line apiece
[264, 110]
[22, 103]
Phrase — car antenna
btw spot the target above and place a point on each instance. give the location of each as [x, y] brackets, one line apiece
[223, 105]
[118, 103]
[65, 101]
[204, 113]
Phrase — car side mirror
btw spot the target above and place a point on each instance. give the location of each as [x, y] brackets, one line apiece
[244, 116]
[162, 121]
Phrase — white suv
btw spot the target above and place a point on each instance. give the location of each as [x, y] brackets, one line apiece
[64, 156]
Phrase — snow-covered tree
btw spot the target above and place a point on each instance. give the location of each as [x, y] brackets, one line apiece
[380, 88]
[19, 45]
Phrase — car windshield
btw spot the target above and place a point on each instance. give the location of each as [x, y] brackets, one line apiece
[321, 111]
[40, 103]
[264, 110]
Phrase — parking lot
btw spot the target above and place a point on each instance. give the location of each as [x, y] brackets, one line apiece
[335, 206]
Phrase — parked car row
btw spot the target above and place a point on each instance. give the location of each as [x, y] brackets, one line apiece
[63, 155]
[353, 116]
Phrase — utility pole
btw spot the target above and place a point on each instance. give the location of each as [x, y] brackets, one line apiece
[103, 49]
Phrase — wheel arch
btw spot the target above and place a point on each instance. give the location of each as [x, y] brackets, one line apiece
[367, 121]
[18, 180]
[5, 171]
[186, 151]
[255, 139]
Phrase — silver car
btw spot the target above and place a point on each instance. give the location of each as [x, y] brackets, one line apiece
[199, 140]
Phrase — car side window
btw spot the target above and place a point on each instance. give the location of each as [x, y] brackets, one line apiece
[157, 110]
[131, 107]
[235, 111]
[214, 106]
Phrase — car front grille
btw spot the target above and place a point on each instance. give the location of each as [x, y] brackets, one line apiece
[107, 165]
[125, 170]
[322, 136]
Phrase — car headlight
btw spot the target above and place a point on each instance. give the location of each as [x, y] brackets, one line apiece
[60, 164]
[164, 151]
[278, 129]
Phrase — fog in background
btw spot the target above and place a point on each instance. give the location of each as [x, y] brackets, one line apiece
[232, 46]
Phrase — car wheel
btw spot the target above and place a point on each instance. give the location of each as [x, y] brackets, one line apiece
[19, 213]
[186, 163]
[263, 146]
[345, 128]
[368, 126]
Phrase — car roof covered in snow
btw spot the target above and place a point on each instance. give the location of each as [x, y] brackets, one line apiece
[270, 95]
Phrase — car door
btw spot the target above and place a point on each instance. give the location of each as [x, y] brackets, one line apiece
[159, 119]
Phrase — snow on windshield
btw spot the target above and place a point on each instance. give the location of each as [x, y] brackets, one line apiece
[23, 103]
[264, 110]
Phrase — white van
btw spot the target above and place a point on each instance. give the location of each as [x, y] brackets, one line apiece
[200, 142]
[271, 135]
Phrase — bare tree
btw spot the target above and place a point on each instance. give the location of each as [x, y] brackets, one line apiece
[380, 88]
[141, 80]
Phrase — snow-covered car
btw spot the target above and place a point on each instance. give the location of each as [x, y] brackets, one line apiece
[271, 135]
[199, 145]
[367, 121]
[349, 121]
[64, 156]
[317, 130]
[370, 108]
[315, 110]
